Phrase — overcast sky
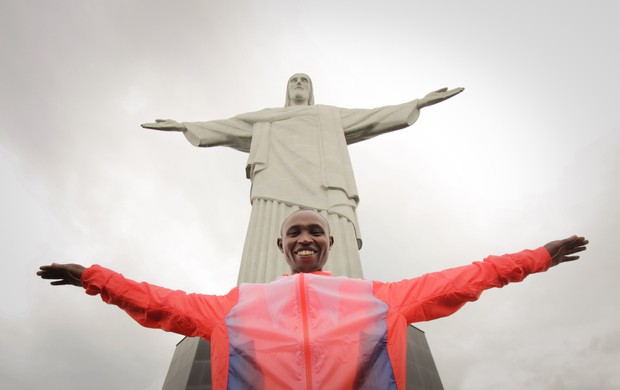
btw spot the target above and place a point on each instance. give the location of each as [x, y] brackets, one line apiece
[530, 152]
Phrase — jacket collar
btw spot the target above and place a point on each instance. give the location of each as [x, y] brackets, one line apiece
[322, 273]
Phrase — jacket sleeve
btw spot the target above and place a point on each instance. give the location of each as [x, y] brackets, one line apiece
[157, 307]
[440, 294]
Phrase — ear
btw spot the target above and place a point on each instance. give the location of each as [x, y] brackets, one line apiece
[331, 242]
[279, 243]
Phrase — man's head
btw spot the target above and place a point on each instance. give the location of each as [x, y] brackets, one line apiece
[305, 241]
[299, 90]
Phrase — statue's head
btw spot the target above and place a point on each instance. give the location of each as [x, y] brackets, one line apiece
[299, 90]
[305, 241]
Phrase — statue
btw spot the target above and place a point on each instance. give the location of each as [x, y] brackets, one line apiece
[298, 159]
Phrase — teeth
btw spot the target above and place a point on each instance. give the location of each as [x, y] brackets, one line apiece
[305, 253]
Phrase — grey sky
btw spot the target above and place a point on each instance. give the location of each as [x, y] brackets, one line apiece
[528, 153]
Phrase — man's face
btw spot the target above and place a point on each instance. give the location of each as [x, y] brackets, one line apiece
[305, 241]
[299, 88]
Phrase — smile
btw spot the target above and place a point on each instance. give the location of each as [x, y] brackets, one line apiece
[306, 252]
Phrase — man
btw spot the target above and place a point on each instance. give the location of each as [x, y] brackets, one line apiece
[298, 158]
[310, 330]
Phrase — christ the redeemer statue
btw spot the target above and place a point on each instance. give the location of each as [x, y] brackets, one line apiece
[298, 159]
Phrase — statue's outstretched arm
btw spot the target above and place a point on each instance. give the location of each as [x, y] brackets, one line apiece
[438, 96]
[165, 125]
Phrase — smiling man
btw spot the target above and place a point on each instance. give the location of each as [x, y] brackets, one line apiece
[311, 330]
[305, 241]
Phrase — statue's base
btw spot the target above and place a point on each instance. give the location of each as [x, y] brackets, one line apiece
[190, 368]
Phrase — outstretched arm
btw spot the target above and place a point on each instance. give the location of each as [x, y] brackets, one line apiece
[362, 124]
[62, 273]
[563, 250]
[233, 132]
[165, 125]
[438, 96]
[440, 294]
[149, 305]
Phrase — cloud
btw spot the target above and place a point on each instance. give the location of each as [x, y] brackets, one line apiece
[527, 154]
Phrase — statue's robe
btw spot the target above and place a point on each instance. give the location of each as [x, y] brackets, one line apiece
[298, 158]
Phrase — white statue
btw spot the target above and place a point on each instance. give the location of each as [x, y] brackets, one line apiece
[298, 158]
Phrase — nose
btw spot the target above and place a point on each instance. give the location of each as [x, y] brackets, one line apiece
[305, 238]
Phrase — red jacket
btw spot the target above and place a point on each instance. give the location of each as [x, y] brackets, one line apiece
[311, 331]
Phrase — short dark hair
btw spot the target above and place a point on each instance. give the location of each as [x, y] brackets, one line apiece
[303, 209]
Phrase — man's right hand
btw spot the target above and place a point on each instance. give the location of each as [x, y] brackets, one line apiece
[62, 273]
[165, 125]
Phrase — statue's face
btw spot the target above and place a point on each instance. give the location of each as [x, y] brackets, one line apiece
[299, 88]
[305, 241]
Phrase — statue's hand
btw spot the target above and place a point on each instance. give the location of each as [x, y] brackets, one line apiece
[438, 96]
[165, 125]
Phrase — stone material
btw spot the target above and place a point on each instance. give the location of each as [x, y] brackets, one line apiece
[298, 158]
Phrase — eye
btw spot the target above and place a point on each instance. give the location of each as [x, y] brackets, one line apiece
[316, 232]
[292, 233]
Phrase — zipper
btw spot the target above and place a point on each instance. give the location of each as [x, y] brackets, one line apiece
[304, 317]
